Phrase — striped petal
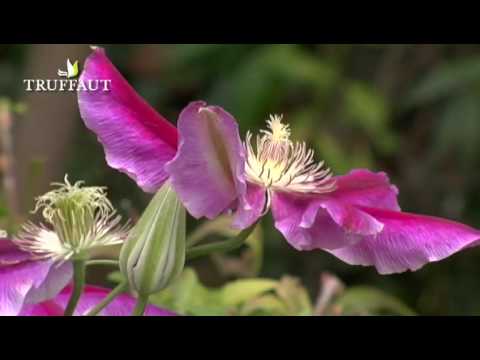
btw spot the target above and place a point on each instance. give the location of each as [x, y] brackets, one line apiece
[251, 207]
[137, 140]
[24, 280]
[334, 220]
[408, 242]
[307, 225]
[208, 171]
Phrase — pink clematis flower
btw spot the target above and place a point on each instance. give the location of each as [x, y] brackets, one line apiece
[26, 280]
[355, 217]
[30, 286]
[122, 305]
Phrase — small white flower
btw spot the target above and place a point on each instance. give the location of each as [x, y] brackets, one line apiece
[81, 218]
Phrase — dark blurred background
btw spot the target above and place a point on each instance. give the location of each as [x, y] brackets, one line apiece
[410, 110]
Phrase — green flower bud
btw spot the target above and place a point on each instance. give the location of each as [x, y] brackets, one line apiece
[154, 252]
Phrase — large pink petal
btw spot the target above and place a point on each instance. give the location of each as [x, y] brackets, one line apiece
[408, 242]
[122, 305]
[348, 217]
[366, 188]
[136, 139]
[24, 280]
[208, 171]
[45, 308]
[306, 225]
[57, 277]
[250, 208]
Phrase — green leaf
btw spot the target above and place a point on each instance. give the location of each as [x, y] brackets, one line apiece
[115, 277]
[266, 305]
[364, 300]
[257, 296]
[239, 291]
[295, 296]
[188, 296]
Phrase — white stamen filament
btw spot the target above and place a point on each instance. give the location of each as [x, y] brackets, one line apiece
[81, 218]
[281, 165]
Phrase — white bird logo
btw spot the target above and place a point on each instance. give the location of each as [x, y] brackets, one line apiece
[72, 70]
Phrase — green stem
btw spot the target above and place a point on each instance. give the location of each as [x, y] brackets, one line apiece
[223, 246]
[78, 285]
[142, 302]
[103, 262]
[109, 298]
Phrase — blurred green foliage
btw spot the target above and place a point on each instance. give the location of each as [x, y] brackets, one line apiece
[267, 297]
[409, 110]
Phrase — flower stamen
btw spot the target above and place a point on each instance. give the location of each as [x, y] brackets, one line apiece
[281, 165]
[81, 218]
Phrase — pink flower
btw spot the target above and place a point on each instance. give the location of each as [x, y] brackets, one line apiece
[26, 280]
[122, 305]
[355, 216]
[136, 138]
[33, 287]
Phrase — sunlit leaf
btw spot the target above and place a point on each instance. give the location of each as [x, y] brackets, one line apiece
[187, 295]
[364, 300]
[294, 295]
[266, 305]
[236, 292]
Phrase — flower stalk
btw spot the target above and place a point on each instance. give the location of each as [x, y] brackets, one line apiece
[109, 298]
[103, 262]
[222, 246]
[78, 286]
[142, 303]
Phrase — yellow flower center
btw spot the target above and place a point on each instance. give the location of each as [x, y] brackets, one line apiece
[281, 165]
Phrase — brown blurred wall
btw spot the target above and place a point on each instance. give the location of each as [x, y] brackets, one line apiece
[46, 130]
